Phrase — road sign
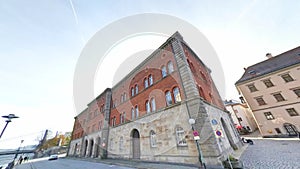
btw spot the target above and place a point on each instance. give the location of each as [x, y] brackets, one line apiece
[219, 133]
[195, 133]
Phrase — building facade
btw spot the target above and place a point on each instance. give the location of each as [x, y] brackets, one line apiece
[272, 90]
[161, 106]
[91, 127]
[242, 116]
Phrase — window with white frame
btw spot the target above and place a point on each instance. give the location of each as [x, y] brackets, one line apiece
[168, 98]
[148, 109]
[292, 112]
[170, 67]
[269, 115]
[278, 97]
[180, 137]
[176, 94]
[287, 77]
[152, 139]
[252, 88]
[297, 92]
[153, 105]
[268, 83]
[260, 101]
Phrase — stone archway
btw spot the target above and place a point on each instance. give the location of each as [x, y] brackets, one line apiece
[229, 136]
[85, 146]
[135, 137]
[91, 148]
[75, 149]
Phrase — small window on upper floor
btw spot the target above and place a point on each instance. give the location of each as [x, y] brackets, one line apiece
[136, 89]
[145, 83]
[148, 109]
[132, 114]
[132, 91]
[122, 98]
[164, 71]
[136, 111]
[150, 80]
[278, 97]
[176, 94]
[252, 88]
[260, 101]
[168, 98]
[297, 92]
[153, 105]
[170, 67]
[287, 78]
[292, 112]
[125, 97]
[268, 83]
[269, 115]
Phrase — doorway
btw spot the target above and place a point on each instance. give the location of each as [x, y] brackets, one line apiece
[135, 135]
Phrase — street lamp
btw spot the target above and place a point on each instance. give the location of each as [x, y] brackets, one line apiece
[196, 137]
[8, 117]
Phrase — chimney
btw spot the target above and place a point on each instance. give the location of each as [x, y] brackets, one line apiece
[269, 55]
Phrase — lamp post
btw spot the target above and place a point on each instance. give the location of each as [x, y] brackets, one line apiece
[8, 117]
[196, 136]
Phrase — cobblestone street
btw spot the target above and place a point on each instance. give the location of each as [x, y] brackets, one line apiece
[272, 154]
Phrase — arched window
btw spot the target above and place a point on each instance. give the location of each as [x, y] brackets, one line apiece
[150, 80]
[168, 98]
[170, 67]
[136, 89]
[176, 94]
[145, 83]
[164, 71]
[152, 139]
[148, 110]
[136, 111]
[132, 114]
[122, 98]
[132, 91]
[122, 117]
[153, 105]
[181, 141]
[125, 97]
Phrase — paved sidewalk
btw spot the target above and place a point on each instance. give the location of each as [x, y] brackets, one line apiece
[139, 164]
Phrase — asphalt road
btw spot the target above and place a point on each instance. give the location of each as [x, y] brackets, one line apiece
[63, 163]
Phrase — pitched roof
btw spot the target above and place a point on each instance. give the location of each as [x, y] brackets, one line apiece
[272, 64]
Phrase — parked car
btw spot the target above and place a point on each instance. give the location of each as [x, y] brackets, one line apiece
[53, 157]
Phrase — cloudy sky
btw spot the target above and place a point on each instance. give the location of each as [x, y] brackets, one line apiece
[41, 41]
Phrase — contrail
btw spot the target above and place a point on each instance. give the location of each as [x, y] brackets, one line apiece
[76, 20]
[74, 12]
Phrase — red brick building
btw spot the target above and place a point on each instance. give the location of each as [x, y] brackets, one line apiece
[153, 105]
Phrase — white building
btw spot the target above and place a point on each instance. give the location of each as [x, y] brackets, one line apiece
[271, 88]
[242, 116]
